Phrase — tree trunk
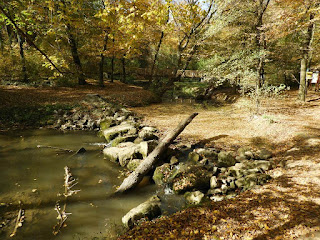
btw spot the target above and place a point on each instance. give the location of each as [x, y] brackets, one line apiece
[112, 62]
[10, 36]
[148, 163]
[102, 61]
[23, 59]
[156, 57]
[112, 69]
[75, 55]
[124, 76]
[306, 59]
[1, 40]
[302, 86]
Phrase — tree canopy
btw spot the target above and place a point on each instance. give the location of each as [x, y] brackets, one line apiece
[251, 42]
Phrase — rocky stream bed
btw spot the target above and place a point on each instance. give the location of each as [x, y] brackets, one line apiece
[199, 173]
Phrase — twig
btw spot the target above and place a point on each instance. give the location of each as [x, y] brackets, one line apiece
[69, 183]
[19, 222]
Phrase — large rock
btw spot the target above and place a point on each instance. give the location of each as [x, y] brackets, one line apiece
[113, 132]
[147, 147]
[193, 177]
[214, 183]
[263, 154]
[193, 157]
[194, 197]
[226, 159]
[149, 209]
[161, 174]
[126, 151]
[106, 123]
[126, 138]
[209, 153]
[123, 153]
[148, 133]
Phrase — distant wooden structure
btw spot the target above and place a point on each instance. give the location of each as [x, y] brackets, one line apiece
[145, 73]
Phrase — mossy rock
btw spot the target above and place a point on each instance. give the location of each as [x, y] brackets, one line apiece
[127, 138]
[106, 123]
[113, 132]
[133, 164]
[226, 159]
[161, 174]
[194, 177]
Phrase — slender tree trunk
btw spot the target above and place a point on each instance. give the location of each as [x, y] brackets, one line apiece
[124, 77]
[75, 55]
[261, 46]
[191, 54]
[112, 69]
[156, 57]
[112, 62]
[306, 59]
[302, 86]
[10, 36]
[23, 59]
[102, 61]
[148, 163]
[1, 40]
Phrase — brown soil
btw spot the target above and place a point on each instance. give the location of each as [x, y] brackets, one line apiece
[288, 207]
[116, 92]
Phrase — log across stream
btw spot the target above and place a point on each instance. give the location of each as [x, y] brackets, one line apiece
[35, 176]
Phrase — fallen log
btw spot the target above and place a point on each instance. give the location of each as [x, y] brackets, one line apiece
[148, 163]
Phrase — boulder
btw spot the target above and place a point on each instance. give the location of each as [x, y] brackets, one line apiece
[214, 182]
[123, 153]
[121, 139]
[147, 147]
[193, 157]
[194, 198]
[126, 151]
[149, 209]
[161, 174]
[113, 132]
[107, 123]
[226, 159]
[263, 154]
[209, 153]
[193, 177]
[148, 133]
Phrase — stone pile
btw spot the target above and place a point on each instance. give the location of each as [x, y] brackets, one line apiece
[197, 172]
[92, 113]
[217, 175]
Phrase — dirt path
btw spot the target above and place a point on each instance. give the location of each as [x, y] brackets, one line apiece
[288, 207]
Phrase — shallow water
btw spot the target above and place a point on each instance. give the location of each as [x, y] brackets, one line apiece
[35, 176]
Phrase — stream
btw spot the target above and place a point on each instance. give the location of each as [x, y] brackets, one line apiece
[35, 176]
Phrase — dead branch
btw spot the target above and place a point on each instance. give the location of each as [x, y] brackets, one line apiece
[19, 222]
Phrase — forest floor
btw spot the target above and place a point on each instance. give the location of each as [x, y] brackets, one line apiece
[288, 207]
